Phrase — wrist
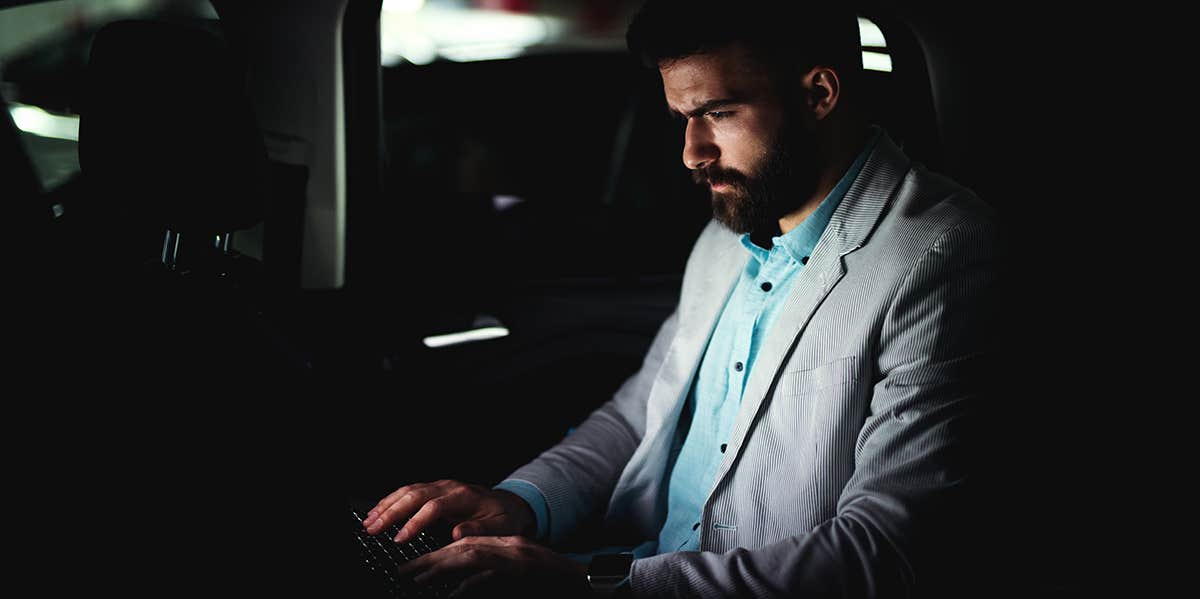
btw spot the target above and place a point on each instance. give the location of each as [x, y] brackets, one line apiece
[520, 511]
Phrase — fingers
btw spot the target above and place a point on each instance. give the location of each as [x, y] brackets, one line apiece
[473, 583]
[386, 502]
[401, 504]
[396, 507]
[490, 564]
[470, 528]
[443, 562]
[443, 507]
[474, 510]
[489, 526]
[472, 554]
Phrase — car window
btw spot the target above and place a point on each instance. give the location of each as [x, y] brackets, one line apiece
[44, 49]
[509, 123]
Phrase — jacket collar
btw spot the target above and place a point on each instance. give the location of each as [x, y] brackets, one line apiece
[858, 214]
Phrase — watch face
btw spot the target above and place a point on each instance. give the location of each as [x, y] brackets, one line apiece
[609, 569]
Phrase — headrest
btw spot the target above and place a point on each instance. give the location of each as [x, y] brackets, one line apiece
[166, 130]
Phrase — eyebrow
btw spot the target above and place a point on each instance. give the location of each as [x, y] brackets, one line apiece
[703, 108]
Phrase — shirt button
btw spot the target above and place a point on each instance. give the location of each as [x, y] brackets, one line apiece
[766, 286]
[695, 526]
[738, 367]
[804, 260]
[723, 447]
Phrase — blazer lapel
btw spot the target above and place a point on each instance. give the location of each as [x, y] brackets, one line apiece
[636, 495]
[847, 231]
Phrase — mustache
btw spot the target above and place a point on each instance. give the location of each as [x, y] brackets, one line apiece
[718, 175]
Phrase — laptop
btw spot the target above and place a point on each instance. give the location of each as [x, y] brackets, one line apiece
[380, 556]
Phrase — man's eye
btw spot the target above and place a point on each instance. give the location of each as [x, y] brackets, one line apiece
[717, 115]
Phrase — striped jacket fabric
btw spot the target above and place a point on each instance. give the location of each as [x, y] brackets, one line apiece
[849, 448]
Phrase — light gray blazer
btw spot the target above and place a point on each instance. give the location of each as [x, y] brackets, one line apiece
[848, 445]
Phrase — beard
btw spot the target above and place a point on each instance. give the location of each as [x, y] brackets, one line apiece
[755, 202]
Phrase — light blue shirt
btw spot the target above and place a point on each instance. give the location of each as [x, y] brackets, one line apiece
[716, 394]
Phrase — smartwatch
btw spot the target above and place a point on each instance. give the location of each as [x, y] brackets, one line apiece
[609, 572]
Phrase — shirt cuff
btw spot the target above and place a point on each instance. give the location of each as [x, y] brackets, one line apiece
[533, 496]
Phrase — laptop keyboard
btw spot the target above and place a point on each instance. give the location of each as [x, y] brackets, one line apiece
[383, 556]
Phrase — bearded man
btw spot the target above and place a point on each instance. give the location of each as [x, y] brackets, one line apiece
[799, 425]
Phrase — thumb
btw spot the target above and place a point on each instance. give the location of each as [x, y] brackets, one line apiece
[493, 526]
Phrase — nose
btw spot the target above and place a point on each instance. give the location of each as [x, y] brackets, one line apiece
[699, 148]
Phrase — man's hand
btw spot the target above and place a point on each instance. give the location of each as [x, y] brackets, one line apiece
[496, 566]
[471, 509]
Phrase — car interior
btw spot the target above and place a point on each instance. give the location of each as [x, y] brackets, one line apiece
[272, 257]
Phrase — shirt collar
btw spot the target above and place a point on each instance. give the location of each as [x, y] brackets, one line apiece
[800, 241]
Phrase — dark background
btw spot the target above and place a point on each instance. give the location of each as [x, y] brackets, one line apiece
[195, 470]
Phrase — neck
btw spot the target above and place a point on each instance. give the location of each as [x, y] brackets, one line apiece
[840, 149]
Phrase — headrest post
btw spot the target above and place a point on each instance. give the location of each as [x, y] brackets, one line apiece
[224, 242]
[170, 253]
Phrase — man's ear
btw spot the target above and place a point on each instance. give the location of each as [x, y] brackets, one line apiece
[824, 91]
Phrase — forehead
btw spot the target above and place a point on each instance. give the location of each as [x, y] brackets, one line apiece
[727, 72]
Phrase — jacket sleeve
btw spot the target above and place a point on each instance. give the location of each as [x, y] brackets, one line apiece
[577, 476]
[911, 464]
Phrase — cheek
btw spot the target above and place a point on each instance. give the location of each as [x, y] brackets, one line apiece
[743, 148]
[753, 155]
[753, 137]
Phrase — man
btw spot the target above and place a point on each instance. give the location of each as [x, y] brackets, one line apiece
[796, 428]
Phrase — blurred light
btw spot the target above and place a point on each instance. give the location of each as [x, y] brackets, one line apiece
[32, 119]
[415, 48]
[877, 61]
[870, 35]
[472, 52]
[502, 203]
[450, 28]
[461, 34]
[402, 5]
[466, 336]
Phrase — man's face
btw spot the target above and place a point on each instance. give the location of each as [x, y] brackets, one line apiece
[741, 140]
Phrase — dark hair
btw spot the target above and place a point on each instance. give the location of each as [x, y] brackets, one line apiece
[787, 35]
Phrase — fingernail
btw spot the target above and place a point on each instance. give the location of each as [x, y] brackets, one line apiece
[400, 537]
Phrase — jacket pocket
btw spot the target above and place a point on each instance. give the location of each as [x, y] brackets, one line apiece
[826, 376]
